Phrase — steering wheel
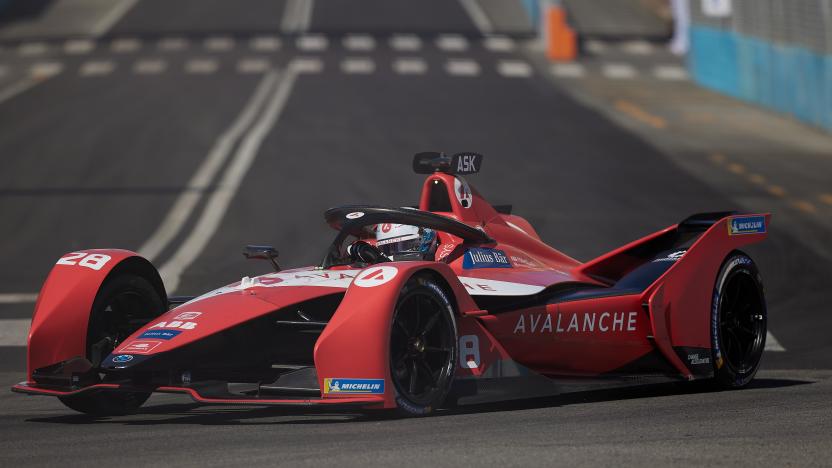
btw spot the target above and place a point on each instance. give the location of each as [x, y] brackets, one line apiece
[364, 252]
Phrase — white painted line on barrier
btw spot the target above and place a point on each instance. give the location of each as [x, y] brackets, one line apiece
[358, 66]
[406, 42]
[359, 42]
[79, 46]
[124, 45]
[43, 70]
[499, 44]
[452, 43]
[107, 21]
[173, 44]
[207, 171]
[772, 344]
[307, 65]
[97, 68]
[462, 67]
[253, 65]
[514, 69]
[28, 49]
[149, 66]
[297, 14]
[14, 332]
[410, 66]
[670, 72]
[219, 200]
[265, 43]
[201, 66]
[568, 70]
[619, 71]
[312, 43]
[18, 298]
[219, 43]
[477, 15]
[639, 47]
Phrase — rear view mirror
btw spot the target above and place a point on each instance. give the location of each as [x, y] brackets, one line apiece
[262, 252]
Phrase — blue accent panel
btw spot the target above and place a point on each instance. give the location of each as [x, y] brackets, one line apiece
[533, 9]
[789, 79]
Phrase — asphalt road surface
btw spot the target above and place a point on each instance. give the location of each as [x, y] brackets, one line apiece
[233, 134]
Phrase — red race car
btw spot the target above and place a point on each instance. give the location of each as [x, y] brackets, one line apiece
[456, 301]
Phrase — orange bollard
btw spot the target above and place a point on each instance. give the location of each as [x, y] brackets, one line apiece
[561, 40]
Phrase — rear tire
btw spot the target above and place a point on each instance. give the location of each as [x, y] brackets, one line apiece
[738, 322]
[123, 304]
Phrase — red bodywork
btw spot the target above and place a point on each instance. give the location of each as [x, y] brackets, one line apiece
[576, 339]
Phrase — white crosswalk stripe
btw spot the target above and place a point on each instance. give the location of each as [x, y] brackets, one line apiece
[670, 72]
[462, 67]
[265, 43]
[97, 68]
[499, 44]
[358, 65]
[79, 46]
[253, 65]
[173, 44]
[149, 66]
[619, 71]
[640, 47]
[568, 70]
[46, 69]
[307, 65]
[410, 66]
[406, 42]
[359, 42]
[28, 49]
[312, 43]
[18, 298]
[125, 45]
[201, 66]
[452, 43]
[514, 68]
[219, 43]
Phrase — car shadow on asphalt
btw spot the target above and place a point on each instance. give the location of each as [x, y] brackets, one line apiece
[196, 414]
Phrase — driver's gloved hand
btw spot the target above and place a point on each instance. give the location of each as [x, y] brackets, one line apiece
[360, 251]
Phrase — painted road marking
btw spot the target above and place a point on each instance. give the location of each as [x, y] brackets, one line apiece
[640, 114]
[201, 66]
[462, 67]
[173, 44]
[219, 43]
[97, 68]
[637, 47]
[776, 190]
[358, 65]
[265, 43]
[361, 42]
[207, 171]
[253, 65]
[595, 46]
[514, 68]
[219, 200]
[619, 71]
[125, 45]
[307, 65]
[312, 43]
[410, 66]
[499, 43]
[804, 206]
[772, 344]
[15, 89]
[405, 42]
[452, 43]
[149, 66]
[297, 14]
[670, 72]
[116, 12]
[79, 46]
[568, 70]
[28, 49]
[18, 298]
[42, 70]
[477, 15]
[14, 332]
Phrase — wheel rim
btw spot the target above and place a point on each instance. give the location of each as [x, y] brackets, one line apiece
[421, 348]
[121, 315]
[742, 321]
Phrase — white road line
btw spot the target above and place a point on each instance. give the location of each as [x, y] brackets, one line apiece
[220, 199]
[253, 65]
[173, 44]
[18, 298]
[219, 43]
[307, 65]
[265, 43]
[149, 66]
[297, 14]
[358, 65]
[79, 46]
[201, 66]
[619, 71]
[499, 43]
[452, 43]
[568, 70]
[42, 70]
[97, 68]
[10, 92]
[312, 43]
[477, 15]
[637, 47]
[462, 67]
[28, 49]
[514, 68]
[410, 66]
[125, 44]
[107, 22]
[14, 332]
[595, 46]
[406, 42]
[359, 42]
[670, 72]
[205, 174]
[772, 344]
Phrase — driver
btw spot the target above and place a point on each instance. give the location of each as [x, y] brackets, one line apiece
[403, 242]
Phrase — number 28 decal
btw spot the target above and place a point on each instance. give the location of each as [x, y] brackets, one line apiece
[92, 261]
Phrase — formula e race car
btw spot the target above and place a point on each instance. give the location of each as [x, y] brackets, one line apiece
[455, 301]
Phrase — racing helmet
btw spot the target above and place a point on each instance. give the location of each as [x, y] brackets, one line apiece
[405, 242]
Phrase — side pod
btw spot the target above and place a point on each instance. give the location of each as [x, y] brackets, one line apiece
[59, 325]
